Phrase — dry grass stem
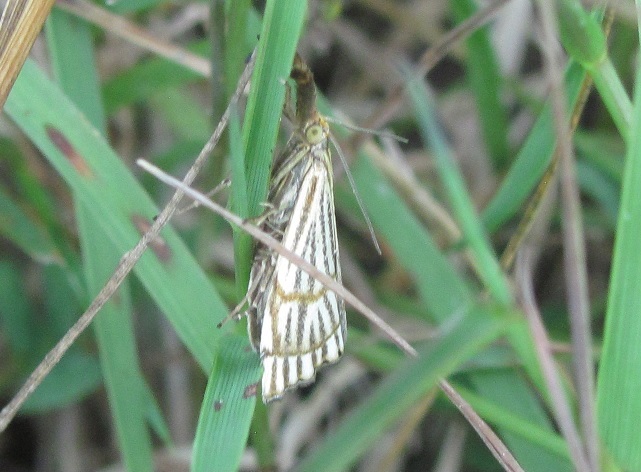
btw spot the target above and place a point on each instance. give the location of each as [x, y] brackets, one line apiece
[560, 405]
[20, 24]
[575, 265]
[129, 31]
[500, 452]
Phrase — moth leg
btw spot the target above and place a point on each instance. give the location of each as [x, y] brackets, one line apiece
[235, 313]
[288, 106]
[261, 270]
[260, 219]
[247, 300]
[254, 327]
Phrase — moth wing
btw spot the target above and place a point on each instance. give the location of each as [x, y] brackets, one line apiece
[304, 323]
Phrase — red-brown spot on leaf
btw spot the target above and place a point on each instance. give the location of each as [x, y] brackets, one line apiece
[218, 404]
[158, 244]
[250, 390]
[65, 147]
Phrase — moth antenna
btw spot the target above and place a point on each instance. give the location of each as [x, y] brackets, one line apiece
[382, 134]
[352, 184]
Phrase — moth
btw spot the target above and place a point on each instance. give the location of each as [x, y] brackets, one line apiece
[294, 322]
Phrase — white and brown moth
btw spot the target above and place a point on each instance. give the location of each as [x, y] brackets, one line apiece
[295, 323]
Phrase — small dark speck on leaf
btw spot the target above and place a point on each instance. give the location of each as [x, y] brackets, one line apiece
[250, 390]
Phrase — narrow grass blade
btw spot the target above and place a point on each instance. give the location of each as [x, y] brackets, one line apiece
[619, 382]
[487, 264]
[532, 160]
[542, 444]
[117, 348]
[227, 407]
[484, 77]
[30, 236]
[442, 290]
[282, 24]
[114, 329]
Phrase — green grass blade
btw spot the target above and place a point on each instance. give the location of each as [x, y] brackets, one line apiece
[71, 48]
[237, 18]
[619, 382]
[112, 194]
[442, 290]
[484, 77]
[227, 407]
[514, 393]
[117, 347]
[474, 234]
[532, 160]
[584, 39]
[538, 447]
[238, 200]
[114, 328]
[30, 236]
[612, 92]
[282, 24]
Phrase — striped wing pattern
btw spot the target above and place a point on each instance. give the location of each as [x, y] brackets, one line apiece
[304, 323]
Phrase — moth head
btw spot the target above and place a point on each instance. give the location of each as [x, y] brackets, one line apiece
[316, 132]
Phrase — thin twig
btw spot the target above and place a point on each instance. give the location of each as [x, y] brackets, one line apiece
[294, 258]
[125, 266]
[562, 412]
[491, 440]
[575, 266]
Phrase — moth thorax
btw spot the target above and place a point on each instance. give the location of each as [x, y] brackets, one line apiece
[315, 133]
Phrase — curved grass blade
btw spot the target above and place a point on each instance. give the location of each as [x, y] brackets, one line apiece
[112, 194]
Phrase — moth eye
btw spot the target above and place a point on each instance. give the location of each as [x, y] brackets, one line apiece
[314, 134]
